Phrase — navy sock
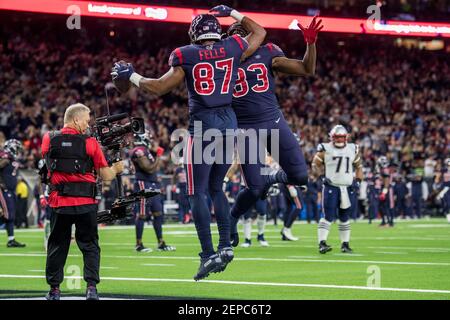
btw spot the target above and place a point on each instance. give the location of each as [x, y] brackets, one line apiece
[157, 225]
[290, 218]
[244, 201]
[139, 228]
[10, 228]
[222, 210]
[202, 220]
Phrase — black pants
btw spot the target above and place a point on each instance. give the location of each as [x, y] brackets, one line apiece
[86, 235]
[21, 213]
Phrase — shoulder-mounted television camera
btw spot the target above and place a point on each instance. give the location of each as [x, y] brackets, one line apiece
[110, 133]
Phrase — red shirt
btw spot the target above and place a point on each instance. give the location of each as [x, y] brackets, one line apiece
[94, 151]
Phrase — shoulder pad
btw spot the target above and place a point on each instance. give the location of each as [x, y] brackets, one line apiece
[274, 50]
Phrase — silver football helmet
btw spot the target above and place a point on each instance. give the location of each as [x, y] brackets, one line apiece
[339, 136]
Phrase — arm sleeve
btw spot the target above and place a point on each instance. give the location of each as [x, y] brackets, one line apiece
[176, 58]
[94, 150]
[274, 50]
[45, 144]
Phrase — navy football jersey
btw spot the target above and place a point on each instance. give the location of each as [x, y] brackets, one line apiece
[210, 71]
[138, 152]
[254, 98]
[8, 174]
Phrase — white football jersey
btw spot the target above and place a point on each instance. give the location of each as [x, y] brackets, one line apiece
[338, 162]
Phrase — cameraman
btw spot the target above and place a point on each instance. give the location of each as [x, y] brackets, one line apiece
[73, 159]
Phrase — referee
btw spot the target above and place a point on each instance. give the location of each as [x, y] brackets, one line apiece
[73, 160]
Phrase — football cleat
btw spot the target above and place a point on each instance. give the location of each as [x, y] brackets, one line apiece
[247, 243]
[164, 247]
[345, 248]
[91, 293]
[53, 294]
[141, 248]
[227, 255]
[286, 234]
[212, 264]
[324, 248]
[14, 244]
[262, 241]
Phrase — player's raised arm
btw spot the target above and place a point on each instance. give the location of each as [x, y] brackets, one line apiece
[307, 66]
[123, 72]
[257, 32]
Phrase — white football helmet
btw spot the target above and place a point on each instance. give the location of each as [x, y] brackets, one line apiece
[383, 162]
[339, 136]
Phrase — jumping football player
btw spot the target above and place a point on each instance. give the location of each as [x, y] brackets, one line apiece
[209, 67]
[8, 183]
[341, 161]
[145, 158]
[257, 108]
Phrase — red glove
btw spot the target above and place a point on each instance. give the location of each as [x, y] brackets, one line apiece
[382, 197]
[174, 188]
[159, 152]
[43, 202]
[310, 33]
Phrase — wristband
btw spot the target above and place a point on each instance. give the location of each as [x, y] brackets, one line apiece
[135, 78]
[236, 15]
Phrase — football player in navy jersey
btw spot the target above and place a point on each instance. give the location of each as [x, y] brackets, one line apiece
[8, 183]
[257, 108]
[146, 162]
[209, 67]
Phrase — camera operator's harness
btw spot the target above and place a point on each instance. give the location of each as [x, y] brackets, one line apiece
[67, 154]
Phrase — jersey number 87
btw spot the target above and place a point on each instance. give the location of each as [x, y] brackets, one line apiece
[203, 74]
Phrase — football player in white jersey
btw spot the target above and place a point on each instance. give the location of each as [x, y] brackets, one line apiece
[340, 163]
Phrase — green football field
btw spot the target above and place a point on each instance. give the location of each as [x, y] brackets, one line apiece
[410, 261]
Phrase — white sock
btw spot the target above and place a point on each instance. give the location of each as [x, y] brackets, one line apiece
[323, 229]
[344, 231]
[11, 238]
[248, 229]
[261, 224]
[448, 218]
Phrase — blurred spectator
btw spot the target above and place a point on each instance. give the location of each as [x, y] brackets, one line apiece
[22, 203]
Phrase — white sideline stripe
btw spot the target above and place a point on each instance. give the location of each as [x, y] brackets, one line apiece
[274, 284]
[413, 248]
[288, 259]
[387, 252]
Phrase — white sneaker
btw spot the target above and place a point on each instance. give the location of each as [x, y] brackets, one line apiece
[262, 241]
[287, 234]
[247, 243]
[448, 218]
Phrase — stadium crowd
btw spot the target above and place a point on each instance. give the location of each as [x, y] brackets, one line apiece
[395, 101]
